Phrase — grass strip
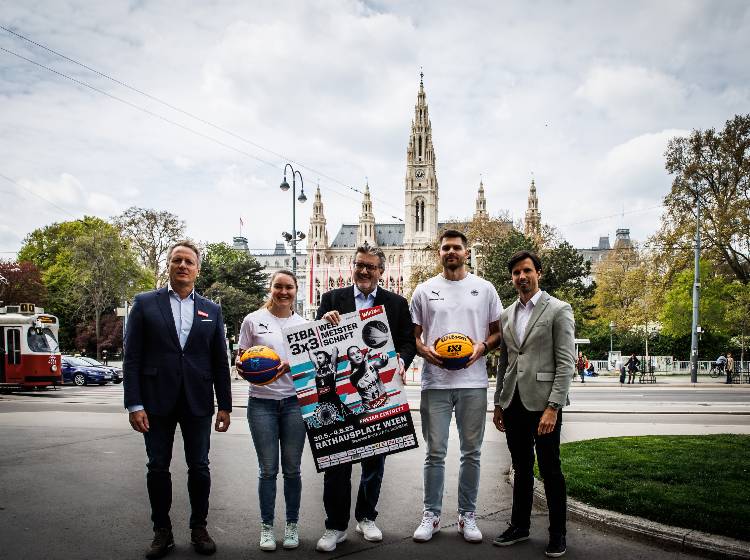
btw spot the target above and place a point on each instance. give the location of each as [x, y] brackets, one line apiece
[695, 482]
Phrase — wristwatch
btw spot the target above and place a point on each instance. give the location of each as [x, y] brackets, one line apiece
[553, 405]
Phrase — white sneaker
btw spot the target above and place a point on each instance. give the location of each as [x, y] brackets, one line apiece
[329, 540]
[369, 530]
[267, 540]
[429, 526]
[467, 526]
[291, 536]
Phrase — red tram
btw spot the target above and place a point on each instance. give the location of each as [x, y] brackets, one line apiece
[29, 353]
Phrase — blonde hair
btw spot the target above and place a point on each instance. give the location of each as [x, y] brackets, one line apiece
[285, 272]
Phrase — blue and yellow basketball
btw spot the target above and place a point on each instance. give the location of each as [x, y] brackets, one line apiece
[258, 365]
[455, 349]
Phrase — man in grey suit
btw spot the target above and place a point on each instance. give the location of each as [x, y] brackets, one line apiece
[537, 364]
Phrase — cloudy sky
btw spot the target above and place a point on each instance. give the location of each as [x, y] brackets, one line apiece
[584, 95]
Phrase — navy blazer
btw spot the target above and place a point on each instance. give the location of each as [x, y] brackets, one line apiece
[396, 309]
[156, 368]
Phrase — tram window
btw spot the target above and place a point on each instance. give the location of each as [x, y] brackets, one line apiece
[13, 345]
[41, 340]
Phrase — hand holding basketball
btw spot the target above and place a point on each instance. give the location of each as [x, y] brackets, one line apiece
[260, 365]
[455, 350]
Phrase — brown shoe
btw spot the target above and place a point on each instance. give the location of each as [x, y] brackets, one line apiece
[202, 541]
[161, 545]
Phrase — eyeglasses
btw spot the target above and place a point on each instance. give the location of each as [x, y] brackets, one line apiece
[365, 266]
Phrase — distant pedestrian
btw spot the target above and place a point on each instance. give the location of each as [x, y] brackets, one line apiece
[175, 357]
[620, 369]
[730, 367]
[632, 365]
[581, 365]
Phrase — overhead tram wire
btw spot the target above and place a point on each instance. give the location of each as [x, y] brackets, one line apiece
[639, 211]
[48, 201]
[182, 111]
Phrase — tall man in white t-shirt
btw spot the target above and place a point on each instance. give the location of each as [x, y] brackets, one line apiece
[454, 301]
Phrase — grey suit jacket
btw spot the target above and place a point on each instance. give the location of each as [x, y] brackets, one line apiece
[541, 365]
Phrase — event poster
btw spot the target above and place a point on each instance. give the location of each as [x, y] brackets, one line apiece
[350, 393]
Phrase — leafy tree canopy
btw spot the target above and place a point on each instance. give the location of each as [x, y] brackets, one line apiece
[21, 282]
[714, 166]
[151, 233]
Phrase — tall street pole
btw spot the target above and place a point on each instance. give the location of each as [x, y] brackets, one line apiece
[696, 292]
[295, 235]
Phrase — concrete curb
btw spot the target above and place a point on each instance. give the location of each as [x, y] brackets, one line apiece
[674, 538]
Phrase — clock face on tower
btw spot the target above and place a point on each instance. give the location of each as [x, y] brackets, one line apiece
[419, 173]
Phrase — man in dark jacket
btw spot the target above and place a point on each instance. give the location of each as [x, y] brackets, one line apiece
[175, 356]
[369, 263]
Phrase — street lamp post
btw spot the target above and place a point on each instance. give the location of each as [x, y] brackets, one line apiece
[295, 235]
[611, 330]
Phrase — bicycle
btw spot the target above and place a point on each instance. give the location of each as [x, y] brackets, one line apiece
[716, 371]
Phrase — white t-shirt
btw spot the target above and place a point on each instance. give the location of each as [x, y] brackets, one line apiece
[465, 306]
[263, 327]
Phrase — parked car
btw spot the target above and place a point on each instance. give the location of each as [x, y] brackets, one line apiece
[116, 372]
[79, 372]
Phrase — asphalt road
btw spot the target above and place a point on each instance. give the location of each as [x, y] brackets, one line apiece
[72, 486]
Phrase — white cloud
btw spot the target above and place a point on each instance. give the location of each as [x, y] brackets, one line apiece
[584, 95]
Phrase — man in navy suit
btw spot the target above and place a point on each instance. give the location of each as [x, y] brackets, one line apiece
[175, 356]
[369, 263]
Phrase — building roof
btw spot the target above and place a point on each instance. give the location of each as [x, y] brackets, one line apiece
[386, 235]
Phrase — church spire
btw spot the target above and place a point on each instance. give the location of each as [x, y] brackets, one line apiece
[481, 205]
[533, 222]
[366, 230]
[317, 233]
[421, 188]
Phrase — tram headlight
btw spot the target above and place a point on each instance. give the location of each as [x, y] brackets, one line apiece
[53, 368]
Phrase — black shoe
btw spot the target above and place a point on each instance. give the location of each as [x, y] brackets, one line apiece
[512, 535]
[556, 546]
[202, 541]
[161, 545]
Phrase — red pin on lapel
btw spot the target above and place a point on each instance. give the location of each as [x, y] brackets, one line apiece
[202, 313]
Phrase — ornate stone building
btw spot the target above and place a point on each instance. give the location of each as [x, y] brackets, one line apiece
[533, 219]
[327, 264]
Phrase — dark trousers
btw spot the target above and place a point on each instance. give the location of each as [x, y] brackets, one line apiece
[196, 433]
[337, 492]
[521, 433]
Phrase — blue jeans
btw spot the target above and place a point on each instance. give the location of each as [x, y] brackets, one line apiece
[274, 425]
[436, 408]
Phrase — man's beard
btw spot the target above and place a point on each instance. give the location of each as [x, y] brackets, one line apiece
[455, 264]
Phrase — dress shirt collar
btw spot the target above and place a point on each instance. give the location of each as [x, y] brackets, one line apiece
[532, 302]
[358, 292]
[170, 291]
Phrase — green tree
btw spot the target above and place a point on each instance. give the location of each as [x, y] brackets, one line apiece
[564, 271]
[235, 304]
[107, 272]
[715, 296]
[716, 167]
[738, 313]
[87, 267]
[234, 279]
[499, 254]
[151, 233]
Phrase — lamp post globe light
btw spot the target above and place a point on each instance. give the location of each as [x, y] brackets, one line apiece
[295, 235]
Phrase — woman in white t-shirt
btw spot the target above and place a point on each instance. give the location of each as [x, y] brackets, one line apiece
[273, 412]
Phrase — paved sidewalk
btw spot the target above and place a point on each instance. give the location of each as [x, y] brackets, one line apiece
[73, 487]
